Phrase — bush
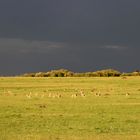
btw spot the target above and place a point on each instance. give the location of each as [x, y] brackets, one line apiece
[136, 73]
[41, 74]
[60, 73]
[126, 74]
[108, 73]
[29, 75]
[67, 73]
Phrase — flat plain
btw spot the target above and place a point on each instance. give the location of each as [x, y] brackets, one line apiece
[73, 108]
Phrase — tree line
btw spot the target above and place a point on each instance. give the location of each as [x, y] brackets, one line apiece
[68, 73]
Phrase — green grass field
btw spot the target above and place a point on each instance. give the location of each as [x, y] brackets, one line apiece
[55, 108]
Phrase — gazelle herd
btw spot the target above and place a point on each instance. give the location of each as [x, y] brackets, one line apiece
[77, 93]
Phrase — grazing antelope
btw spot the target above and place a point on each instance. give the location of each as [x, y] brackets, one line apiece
[82, 94]
[29, 95]
[50, 95]
[74, 95]
[97, 94]
[127, 94]
[94, 89]
[58, 96]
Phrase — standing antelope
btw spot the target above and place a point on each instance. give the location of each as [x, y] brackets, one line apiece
[127, 94]
[74, 95]
[82, 93]
[29, 95]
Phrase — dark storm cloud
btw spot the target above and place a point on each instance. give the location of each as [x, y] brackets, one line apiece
[76, 34]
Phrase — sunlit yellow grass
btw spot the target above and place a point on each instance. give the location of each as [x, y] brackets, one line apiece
[44, 108]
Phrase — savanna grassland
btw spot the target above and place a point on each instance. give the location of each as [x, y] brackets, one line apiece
[70, 108]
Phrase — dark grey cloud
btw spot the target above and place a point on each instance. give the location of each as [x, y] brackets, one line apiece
[81, 35]
[28, 46]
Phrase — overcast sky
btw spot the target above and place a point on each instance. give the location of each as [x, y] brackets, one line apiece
[79, 35]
